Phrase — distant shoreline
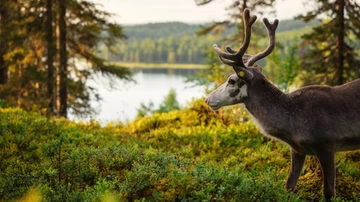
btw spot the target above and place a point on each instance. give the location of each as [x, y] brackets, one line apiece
[160, 65]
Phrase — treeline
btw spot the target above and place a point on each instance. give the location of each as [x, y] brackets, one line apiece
[187, 49]
[156, 31]
[175, 42]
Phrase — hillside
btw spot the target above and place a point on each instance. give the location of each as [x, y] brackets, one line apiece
[177, 42]
[155, 31]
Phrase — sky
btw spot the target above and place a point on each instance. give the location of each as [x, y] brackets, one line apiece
[150, 11]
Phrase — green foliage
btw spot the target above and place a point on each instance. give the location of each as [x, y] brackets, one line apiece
[169, 104]
[29, 61]
[145, 109]
[3, 104]
[185, 50]
[283, 68]
[213, 75]
[177, 42]
[192, 154]
[280, 67]
[329, 51]
[156, 31]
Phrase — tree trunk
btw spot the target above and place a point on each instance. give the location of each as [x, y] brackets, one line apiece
[340, 43]
[3, 67]
[3, 45]
[62, 76]
[50, 57]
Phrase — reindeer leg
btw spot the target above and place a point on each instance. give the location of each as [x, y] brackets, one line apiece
[297, 162]
[327, 162]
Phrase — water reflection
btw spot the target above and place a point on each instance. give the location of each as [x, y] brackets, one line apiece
[151, 85]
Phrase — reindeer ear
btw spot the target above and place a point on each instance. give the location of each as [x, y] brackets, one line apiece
[244, 73]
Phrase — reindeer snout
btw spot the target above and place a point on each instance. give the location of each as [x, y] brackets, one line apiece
[207, 100]
[213, 104]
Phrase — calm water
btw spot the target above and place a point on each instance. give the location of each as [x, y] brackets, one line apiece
[151, 85]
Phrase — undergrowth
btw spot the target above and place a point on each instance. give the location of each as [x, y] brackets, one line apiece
[193, 154]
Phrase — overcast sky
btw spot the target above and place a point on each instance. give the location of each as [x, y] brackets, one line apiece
[146, 11]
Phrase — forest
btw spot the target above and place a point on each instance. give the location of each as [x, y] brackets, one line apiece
[177, 42]
[49, 49]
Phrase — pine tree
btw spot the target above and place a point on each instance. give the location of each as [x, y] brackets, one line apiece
[5, 12]
[236, 9]
[63, 59]
[50, 43]
[328, 55]
[32, 58]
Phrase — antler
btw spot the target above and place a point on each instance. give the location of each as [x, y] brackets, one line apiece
[234, 58]
[271, 28]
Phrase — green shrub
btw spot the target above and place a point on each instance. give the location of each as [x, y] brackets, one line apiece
[192, 154]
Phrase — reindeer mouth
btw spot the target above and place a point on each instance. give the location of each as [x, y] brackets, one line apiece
[212, 105]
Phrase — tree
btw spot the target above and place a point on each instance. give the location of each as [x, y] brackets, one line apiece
[63, 59]
[283, 66]
[87, 27]
[328, 54]
[50, 56]
[169, 103]
[33, 59]
[5, 11]
[22, 55]
[235, 9]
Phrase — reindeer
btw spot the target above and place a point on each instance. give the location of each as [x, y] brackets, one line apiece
[314, 120]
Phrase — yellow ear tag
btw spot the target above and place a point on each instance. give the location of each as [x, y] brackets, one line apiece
[241, 74]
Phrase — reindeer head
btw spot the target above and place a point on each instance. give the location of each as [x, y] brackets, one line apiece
[235, 89]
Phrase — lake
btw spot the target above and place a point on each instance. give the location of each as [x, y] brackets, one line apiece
[152, 85]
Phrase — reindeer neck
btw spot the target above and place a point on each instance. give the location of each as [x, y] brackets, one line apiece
[270, 108]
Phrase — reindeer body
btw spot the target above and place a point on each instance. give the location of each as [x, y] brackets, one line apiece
[314, 120]
[328, 117]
